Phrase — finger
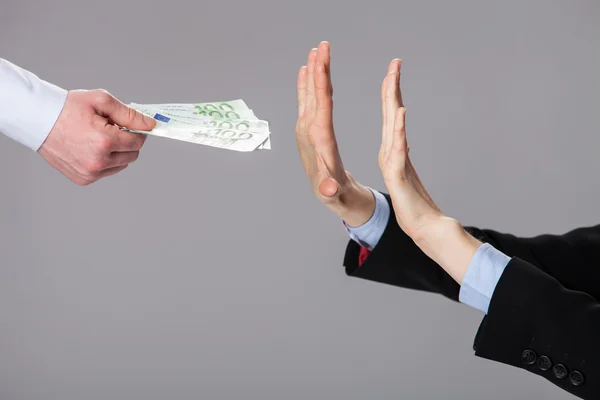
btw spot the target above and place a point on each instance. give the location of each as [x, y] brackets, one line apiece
[327, 150]
[310, 82]
[383, 103]
[399, 143]
[394, 65]
[125, 140]
[119, 159]
[392, 93]
[302, 77]
[108, 106]
[324, 55]
[329, 188]
[324, 104]
[391, 97]
[399, 93]
[329, 162]
[129, 141]
[111, 171]
[388, 111]
[394, 69]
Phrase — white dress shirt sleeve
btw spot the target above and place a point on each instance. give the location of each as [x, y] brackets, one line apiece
[29, 106]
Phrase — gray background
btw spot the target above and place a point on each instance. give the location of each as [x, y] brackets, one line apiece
[202, 273]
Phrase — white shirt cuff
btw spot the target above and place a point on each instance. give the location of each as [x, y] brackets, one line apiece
[29, 106]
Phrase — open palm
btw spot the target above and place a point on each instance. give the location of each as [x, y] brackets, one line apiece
[413, 205]
[314, 130]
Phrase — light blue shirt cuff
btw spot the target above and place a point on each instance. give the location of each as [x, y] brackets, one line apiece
[482, 276]
[368, 234]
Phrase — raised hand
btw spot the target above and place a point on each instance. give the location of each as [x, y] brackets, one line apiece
[317, 144]
[413, 206]
[441, 238]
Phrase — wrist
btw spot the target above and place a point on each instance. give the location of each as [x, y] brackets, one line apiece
[446, 242]
[356, 205]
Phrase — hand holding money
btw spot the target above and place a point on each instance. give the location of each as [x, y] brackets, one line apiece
[228, 125]
[85, 145]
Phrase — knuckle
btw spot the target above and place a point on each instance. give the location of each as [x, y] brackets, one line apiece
[141, 142]
[135, 141]
[94, 166]
[301, 125]
[83, 182]
[399, 147]
[131, 114]
[138, 145]
[102, 97]
[104, 144]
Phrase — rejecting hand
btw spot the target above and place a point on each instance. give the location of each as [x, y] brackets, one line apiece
[317, 144]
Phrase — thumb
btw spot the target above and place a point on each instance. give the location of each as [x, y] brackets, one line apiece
[329, 188]
[122, 115]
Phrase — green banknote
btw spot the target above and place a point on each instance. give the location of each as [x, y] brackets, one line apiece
[228, 124]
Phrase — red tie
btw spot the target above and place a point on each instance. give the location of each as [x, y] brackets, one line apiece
[362, 256]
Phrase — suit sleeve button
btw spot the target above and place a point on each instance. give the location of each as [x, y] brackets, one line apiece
[544, 363]
[560, 371]
[529, 357]
[576, 378]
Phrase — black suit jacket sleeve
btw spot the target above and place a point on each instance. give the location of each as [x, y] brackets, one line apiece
[544, 315]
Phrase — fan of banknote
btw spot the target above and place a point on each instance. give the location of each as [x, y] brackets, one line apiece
[227, 125]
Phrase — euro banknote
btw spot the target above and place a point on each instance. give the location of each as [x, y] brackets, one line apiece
[229, 124]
